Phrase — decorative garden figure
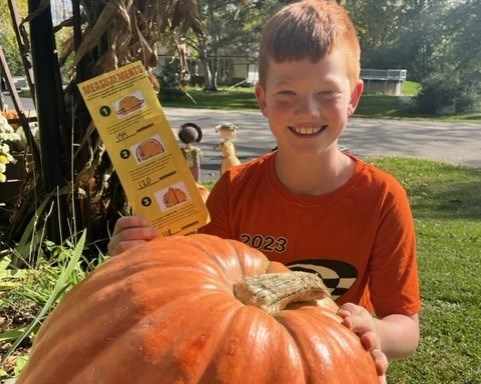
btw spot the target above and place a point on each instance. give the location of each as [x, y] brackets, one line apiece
[228, 132]
[189, 134]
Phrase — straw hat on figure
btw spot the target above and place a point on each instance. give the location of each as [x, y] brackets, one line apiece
[189, 134]
[228, 132]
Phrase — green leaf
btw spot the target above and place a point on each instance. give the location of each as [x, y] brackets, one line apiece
[12, 334]
[57, 291]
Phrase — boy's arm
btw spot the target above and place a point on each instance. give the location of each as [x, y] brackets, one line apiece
[398, 335]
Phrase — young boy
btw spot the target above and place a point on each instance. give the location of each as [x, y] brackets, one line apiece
[308, 204]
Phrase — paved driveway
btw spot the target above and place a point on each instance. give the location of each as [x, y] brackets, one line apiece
[455, 143]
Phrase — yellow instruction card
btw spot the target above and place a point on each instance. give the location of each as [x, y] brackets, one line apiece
[143, 150]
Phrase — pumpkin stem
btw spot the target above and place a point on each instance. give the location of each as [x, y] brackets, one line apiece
[273, 292]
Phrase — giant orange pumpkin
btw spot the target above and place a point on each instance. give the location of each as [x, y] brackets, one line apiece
[167, 312]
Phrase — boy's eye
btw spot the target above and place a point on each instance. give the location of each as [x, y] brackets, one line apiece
[328, 94]
[286, 92]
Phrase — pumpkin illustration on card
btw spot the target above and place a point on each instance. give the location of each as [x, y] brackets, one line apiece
[172, 196]
[130, 103]
[149, 148]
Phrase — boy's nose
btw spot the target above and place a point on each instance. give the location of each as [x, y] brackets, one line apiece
[309, 106]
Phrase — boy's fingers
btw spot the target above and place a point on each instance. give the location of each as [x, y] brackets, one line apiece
[129, 238]
[380, 361]
[129, 222]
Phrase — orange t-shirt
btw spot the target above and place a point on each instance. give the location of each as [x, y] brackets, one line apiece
[359, 238]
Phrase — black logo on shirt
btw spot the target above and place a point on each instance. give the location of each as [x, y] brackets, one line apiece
[338, 276]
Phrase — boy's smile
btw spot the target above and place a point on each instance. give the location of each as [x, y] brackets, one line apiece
[307, 103]
[308, 131]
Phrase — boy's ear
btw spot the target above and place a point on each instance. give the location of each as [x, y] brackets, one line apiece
[261, 98]
[355, 96]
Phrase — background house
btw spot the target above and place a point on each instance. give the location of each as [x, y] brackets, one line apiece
[383, 81]
[243, 71]
[231, 70]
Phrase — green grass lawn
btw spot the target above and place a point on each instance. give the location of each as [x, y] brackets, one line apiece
[225, 98]
[446, 204]
[374, 106]
[410, 88]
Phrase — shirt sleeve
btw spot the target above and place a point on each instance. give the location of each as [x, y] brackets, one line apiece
[393, 282]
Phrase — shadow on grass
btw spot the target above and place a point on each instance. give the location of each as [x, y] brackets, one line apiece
[452, 200]
[437, 190]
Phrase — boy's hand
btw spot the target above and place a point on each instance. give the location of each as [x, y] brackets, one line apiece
[129, 231]
[360, 321]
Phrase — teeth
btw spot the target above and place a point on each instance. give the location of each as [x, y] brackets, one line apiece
[307, 131]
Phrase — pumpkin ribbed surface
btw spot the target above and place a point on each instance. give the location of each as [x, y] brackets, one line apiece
[165, 312]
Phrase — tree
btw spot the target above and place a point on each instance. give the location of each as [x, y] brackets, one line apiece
[7, 37]
[435, 41]
[464, 35]
[453, 81]
[232, 29]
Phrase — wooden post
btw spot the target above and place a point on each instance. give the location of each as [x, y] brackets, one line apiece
[54, 138]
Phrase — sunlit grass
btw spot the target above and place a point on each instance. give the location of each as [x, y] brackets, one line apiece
[446, 204]
[373, 106]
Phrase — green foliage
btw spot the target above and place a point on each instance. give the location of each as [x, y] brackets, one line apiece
[437, 42]
[7, 37]
[448, 88]
[468, 96]
[232, 30]
[36, 290]
[383, 107]
[234, 27]
[437, 93]
[170, 88]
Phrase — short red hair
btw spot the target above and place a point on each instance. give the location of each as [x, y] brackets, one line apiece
[309, 29]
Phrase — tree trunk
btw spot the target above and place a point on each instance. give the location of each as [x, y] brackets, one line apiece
[209, 81]
[214, 70]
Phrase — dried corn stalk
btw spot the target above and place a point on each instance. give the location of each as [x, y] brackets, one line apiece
[120, 32]
[116, 33]
[112, 33]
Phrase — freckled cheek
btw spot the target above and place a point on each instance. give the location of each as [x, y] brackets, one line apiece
[281, 107]
[335, 110]
[279, 115]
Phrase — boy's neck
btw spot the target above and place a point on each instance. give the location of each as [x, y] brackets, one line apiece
[314, 175]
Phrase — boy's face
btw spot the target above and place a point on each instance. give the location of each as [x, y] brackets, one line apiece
[307, 104]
